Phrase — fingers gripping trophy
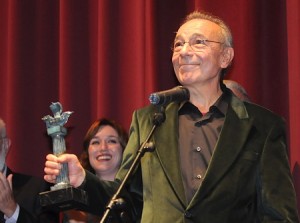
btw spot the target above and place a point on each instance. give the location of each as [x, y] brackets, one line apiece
[62, 195]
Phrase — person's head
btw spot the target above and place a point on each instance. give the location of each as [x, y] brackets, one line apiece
[202, 50]
[103, 148]
[237, 89]
[4, 144]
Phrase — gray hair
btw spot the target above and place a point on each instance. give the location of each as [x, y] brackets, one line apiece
[225, 30]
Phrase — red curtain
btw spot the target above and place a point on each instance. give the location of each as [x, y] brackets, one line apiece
[103, 58]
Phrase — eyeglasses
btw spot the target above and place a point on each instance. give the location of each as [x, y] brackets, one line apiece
[195, 44]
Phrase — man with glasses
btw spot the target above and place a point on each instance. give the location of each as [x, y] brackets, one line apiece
[217, 159]
[19, 201]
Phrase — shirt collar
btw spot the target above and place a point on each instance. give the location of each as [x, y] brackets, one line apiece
[221, 105]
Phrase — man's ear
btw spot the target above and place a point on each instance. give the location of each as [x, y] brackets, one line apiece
[227, 57]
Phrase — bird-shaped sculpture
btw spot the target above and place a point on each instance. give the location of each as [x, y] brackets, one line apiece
[59, 118]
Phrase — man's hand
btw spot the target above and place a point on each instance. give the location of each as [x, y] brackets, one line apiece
[7, 201]
[53, 166]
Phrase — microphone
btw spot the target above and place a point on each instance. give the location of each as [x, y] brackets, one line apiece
[176, 94]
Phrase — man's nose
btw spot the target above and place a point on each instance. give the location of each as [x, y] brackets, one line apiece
[186, 48]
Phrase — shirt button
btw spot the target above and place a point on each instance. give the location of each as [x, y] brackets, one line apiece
[187, 214]
[199, 176]
[198, 149]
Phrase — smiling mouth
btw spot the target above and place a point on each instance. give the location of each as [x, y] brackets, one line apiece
[188, 65]
[104, 157]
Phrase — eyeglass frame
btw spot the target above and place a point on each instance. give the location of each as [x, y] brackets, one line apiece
[202, 41]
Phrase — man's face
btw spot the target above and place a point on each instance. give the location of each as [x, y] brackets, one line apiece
[197, 67]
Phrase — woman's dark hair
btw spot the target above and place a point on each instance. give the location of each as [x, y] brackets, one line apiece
[94, 128]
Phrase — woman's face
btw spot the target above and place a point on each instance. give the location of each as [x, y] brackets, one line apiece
[105, 152]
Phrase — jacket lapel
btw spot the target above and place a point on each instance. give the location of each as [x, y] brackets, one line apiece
[166, 142]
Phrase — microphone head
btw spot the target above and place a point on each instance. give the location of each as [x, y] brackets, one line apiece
[154, 98]
[176, 94]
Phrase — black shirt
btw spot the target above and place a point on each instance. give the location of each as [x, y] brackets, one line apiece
[198, 135]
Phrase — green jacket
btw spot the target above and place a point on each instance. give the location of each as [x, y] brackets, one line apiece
[248, 178]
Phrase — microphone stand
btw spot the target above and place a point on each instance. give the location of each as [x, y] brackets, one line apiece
[146, 146]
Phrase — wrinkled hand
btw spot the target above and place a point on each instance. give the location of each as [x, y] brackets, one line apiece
[7, 201]
[53, 166]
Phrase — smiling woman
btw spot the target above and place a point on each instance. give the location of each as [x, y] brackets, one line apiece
[104, 144]
[103, 148]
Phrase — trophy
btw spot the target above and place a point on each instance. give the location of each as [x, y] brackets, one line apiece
[62, 196]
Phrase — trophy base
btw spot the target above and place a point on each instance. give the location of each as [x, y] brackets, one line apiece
[64, 199]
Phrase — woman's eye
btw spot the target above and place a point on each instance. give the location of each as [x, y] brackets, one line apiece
[94, 142]
[112, 141]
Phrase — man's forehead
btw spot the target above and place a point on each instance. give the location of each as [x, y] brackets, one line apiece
[199, 25]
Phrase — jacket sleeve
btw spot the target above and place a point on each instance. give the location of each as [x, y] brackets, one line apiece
[277, 199]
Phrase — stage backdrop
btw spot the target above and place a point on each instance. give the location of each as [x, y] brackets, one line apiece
[103, 59]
